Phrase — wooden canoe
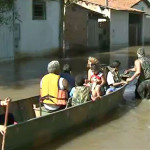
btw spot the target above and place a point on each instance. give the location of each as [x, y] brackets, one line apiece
[32, 131]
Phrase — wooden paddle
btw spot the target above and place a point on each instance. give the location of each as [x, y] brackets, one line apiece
[5, 123]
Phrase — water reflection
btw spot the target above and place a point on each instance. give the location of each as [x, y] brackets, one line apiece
[128, 127]
[27, 69]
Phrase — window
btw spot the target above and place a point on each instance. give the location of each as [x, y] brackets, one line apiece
[39, 10]
[142, 8]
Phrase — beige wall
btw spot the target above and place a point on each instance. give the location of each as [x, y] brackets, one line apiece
[76, 26]
[119, 27]
[146, 21]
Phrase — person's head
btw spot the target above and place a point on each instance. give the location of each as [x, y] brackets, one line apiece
[66, 68]
[92, 60]
[115, 64]
[54, 67]
[79, 80]
[95, 68]
[141, 52]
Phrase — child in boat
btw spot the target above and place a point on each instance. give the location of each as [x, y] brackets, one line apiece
[113, 78]
[91, 61]
[80, 93]
[66, 74]
[97, 81]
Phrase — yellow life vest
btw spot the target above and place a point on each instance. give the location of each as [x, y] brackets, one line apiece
[50, 90]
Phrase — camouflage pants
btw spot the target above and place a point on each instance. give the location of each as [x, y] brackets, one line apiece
[143, 89]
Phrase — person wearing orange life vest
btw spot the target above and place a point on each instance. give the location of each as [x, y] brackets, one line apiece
[51, 86]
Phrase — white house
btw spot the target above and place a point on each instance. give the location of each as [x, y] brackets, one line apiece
[144, 5]
[37, 31]
[108, 23]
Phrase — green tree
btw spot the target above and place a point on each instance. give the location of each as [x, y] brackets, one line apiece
[7, 12]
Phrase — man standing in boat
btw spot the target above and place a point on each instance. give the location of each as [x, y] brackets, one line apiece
[142, 70]
[54, 89]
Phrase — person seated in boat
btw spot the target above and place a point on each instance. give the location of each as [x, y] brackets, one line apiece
[113, 77]
[53, 88]
[97, 82]
[141, 71]
[80, 93]
[91, 60]
[2, 116]
[66, 74]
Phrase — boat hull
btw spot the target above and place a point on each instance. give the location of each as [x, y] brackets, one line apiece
[37, 131]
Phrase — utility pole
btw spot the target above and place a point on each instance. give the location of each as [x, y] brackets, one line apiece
[66, 4]
[64, 14]
[106, 3]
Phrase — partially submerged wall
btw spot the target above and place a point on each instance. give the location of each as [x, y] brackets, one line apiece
[119, 27]
[38, 37]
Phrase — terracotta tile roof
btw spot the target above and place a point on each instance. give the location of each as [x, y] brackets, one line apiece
[124, 3]
[117, 4]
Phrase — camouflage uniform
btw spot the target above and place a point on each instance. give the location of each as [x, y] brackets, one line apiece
[116, 74]
[81, 95]
[143, 84]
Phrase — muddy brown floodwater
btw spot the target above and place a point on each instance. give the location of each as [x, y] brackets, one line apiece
[126, 128]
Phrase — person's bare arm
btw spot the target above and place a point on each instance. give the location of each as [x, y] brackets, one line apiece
[65, 84]
[3, 129]
[137, 67]
[119, 83]
[89, 74]
[103, 80]
[130, 70]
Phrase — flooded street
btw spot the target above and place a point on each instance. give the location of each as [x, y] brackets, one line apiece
[127, 128]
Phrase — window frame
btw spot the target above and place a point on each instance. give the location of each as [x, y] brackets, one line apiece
[42, 3]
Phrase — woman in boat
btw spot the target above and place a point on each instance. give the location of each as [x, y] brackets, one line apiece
[66, 74]
[54, 89]
[91, 60]
[80, 93]
[97, 81]
[113, 77]
[142, 71]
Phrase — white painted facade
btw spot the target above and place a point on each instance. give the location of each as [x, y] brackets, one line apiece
[93, 33]
[6, 44]
[119, 27]
[39, 36]
[146, 20]
[32, 37]
[6, 40]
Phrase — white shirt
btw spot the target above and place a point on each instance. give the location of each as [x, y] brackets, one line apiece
[110, 79]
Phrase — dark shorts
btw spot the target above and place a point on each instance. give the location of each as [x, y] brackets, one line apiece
[10, 119]
[143, 89]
